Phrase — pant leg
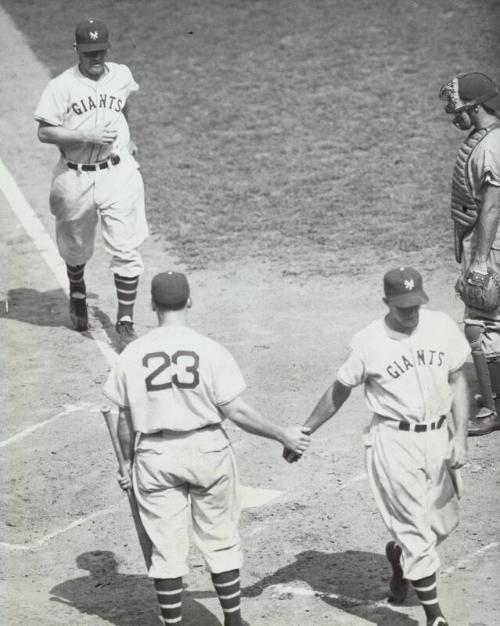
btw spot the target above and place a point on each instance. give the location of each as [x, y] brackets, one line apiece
[215, 505]
[418, 507]
[72, 204]
[162, 498]
[120, 198]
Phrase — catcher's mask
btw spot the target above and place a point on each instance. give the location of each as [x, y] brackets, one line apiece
[465, 92]
[455, 105]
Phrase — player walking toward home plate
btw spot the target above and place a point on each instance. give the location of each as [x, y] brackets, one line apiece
[174, 387]
[410, 364]
[83, 111]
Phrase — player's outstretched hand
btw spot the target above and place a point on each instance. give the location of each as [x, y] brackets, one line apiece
[297, 439]
[101, 135]
[290, 456]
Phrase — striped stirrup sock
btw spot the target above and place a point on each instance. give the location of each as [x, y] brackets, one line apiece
[169, 593]
[227, 586]
[126, 292]
[76, 283]
[426, 590]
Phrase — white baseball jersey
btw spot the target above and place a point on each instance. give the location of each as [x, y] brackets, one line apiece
[76, 102]
[406, 376]
[174, 378]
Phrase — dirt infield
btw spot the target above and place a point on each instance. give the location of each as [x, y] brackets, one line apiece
[315, 554]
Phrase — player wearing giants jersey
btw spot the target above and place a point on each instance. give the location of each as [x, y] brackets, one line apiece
[410, 364]
[83, 111]
[174, 388]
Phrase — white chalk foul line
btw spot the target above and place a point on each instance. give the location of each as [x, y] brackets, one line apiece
[43, 242]
[27, 431]
[280, 589]
[469, 559]
[46, 538]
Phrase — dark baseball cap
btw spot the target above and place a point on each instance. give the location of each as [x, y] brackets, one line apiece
[170, 289]
[478, 88]
[403, 286]
[91, 35]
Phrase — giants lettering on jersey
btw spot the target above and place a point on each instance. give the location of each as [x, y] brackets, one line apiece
[424, 357]
[104, 101]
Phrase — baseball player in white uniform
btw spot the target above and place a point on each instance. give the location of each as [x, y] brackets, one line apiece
[174, 387]
[83, 111]
[410, 364]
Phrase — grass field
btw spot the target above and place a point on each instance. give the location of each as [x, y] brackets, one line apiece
[303, 133]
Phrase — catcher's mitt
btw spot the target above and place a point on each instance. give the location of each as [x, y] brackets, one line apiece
[480, 291]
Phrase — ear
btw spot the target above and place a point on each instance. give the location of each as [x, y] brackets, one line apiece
[189, 303]
[153, 305]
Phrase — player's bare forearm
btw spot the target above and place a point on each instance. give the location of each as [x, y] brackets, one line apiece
[250, 420]
[329, 403]
[487, 225]
[64, 137]
[460, 403]
[460, 413]
[126, 434]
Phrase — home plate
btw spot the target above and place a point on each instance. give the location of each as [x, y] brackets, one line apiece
[253, 496]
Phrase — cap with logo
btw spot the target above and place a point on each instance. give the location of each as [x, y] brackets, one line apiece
[403, 286]
[91, 35]
[170, 289]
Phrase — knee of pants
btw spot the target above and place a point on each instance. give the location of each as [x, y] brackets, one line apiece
[127, 264]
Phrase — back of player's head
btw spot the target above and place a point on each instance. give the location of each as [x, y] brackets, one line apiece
[170, 291]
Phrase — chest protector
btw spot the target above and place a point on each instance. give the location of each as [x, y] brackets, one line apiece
[464, 208]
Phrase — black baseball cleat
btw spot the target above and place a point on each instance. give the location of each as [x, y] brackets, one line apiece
[484, 423]
[78, 313]
[399, 585]
[126, 333]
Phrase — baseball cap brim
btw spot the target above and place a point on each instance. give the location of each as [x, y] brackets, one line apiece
[93, 47]
[406, 300]
[493, 103]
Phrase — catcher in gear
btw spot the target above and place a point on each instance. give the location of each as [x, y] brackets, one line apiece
[473, 99]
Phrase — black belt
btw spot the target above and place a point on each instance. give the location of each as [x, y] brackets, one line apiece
[422, 428]
[93, 167]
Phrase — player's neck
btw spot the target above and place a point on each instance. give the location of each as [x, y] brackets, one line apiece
[395, 325]
[94, 77]
[485, 119]
[172, 318]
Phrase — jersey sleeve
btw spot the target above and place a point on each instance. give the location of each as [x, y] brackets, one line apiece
[352, 372]
[459, 348]
[115, 388]
[52, 105]
[227, 377]
[132, 86]
[485, 161]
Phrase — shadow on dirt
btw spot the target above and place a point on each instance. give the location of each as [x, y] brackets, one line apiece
[121, 599]
[49, 308]
[355, 582]
[40, 308]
